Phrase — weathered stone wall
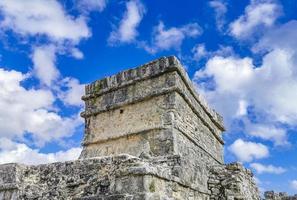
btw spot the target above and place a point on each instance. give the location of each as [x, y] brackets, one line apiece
[9, 175]
[116, 177]
[271, 195]
[132, 129]
[192, 126]
[232, 181]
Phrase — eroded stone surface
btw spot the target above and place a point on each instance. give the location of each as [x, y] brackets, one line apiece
[232, 181]
[148, 135]
[271, 195]
[116, 177]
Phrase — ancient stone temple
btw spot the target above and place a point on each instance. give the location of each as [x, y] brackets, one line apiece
[148, 136]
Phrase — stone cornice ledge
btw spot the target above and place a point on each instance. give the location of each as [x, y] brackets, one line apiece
[147, 71]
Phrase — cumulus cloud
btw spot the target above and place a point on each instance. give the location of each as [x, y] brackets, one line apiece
[247, 151]
[44, 62]
[92, 5]
[76, 53]
[32, 111]
[73, 93]
[220, 9]
[225, 97]
[224, 69]
[265, 91]
[260, 168]
[34, 18]
[30, 18]
[258, 100]
[12, 152]
[29, 111]
[44, 59]
[268, 132]
[294, 184]
[127, 30]
[281, 37]
[200, 52]
[257, 14]
[171, 38]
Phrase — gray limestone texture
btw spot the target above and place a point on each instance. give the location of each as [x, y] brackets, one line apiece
[271, 195]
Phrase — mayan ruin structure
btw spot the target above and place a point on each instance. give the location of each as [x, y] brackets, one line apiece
[148, 136]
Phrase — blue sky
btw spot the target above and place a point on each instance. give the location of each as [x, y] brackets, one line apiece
[241, 55]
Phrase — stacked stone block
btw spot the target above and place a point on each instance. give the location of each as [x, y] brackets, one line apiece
[232, 182]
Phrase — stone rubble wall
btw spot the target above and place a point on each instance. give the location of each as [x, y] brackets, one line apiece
[271, 195]
[232, 182]
[106, 178]
[122, 177]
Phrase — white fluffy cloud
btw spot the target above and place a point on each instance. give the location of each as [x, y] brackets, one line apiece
[92, 5]
[168, 38]
[32, 111]
[199, 52]
[12, 152]
[265, 90]
[44, 62]
[72, 95]
[294, 184]
[76, 53]
[220, 9]
[247, 151]
[162, 38]
[127, 30]
[257, 14]
[281, 37]
[260, 168]
[239, 85]
[24, 111]
[44, 59]
[36, 17]
[268, 132]
[226, 97]
[224, 69]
